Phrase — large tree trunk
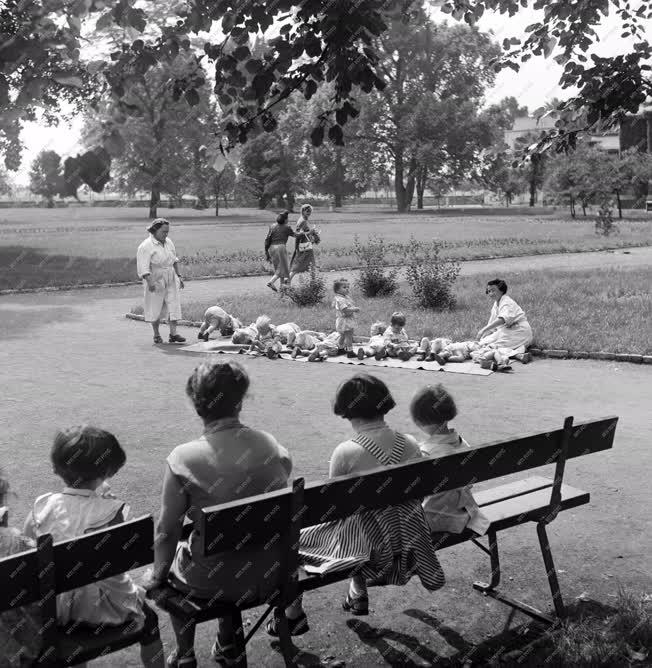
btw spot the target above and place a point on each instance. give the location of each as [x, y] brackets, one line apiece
[572, 206]
[154, 200]
[403, 192]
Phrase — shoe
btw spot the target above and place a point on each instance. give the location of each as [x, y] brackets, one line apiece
[271, 286]
[431, 357]
[174, 662]
[341, 351]
[224, 655]
[356, 606]
[200, 336]
[525, 358]
[421, 357]
[405, 356]
[294, 353]
[298, 626]
[381, 354]
[360, 354]
[504, 367]
[177, 338]
[350, 354]
[271, 354]
[158, 339]
[439, 359]
[314, 356]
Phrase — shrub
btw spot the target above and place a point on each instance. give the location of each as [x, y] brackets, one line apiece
[373, 281]
[604, 223]
[430, 277]
[311, 290]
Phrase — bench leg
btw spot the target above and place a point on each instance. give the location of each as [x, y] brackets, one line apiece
[494, 561]
[239, 639]
[551, 572]
[490, 589]
[285, 638]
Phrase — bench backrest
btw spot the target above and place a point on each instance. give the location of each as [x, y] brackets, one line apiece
[47, 570]
[261, 520]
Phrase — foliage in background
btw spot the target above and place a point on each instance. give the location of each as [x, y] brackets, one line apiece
[374, 280]
[310, 291]
[604, 222]
[430, 276]
[45, 176]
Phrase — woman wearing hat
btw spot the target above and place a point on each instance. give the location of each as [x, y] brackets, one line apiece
[156, 261]
[276, 250]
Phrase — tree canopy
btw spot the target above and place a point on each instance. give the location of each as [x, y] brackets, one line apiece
[41, 64]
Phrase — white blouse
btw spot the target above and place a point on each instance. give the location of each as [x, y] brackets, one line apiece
[508, 310]
[152, 255]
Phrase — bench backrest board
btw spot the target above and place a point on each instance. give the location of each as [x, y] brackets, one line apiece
[77, 562]
[259, 520]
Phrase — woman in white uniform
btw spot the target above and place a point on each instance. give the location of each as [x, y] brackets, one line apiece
[157, 264]
[508, 330]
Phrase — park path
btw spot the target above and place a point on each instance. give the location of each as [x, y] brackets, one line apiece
[70, 357]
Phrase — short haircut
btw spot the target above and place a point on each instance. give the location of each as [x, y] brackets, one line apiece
[83, 453]
[433, 405]
[282, 217]
[217, 388]
[363, 396]
[241, 336]
[499, 283]
[337, 284]
[263, 321]
[156, 224]
[377, 327]
[398, 318]
[306, 207]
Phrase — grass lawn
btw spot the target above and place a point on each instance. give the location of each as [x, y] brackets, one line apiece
[54, 247]
[608, 310]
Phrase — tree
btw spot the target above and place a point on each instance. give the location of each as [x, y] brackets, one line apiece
[533, 163]
[45, 176]
[222, 183]
[6, 184]
[426, 120]
[502, 178]
[41, 41]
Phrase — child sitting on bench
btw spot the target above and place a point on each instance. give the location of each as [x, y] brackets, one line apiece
[432, 408]
[85, 457]
[215, 317]
[376, 344]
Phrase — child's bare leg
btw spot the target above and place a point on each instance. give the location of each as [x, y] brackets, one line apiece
[203, 328]
[184, 633]
[457, 358]
[151, 647]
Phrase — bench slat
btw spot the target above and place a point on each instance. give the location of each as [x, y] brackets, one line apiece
[512, 489]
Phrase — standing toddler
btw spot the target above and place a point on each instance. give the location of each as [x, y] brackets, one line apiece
[345, 312]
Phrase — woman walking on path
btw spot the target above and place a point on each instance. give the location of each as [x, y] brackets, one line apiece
[304, 255]
[276, 251]
[157, 265]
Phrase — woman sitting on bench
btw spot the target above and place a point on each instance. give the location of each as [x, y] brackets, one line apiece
[395, 539]
[228, 461]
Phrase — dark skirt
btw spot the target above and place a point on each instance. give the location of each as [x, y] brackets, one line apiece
[302, 261]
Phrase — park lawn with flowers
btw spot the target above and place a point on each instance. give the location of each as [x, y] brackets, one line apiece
[592, 310]
[74, 246]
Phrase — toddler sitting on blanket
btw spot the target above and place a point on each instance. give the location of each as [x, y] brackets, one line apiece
[216, 317]
[397, 343]
[376, 344]
[266, 341]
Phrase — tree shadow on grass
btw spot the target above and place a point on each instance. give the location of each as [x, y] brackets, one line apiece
[29, 267]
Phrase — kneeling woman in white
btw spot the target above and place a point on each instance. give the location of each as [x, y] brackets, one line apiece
[156, 261]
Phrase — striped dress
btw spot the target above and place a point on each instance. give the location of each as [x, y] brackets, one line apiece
[395, 540]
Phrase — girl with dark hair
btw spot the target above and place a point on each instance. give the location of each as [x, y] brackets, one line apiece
[157, 265]
[395, 540]
[276, 249]
[228, 461]
[85, 457]
[508, 332]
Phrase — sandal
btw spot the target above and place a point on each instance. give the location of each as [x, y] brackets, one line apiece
[158, 339]
[358, 605]
[224, 655]
[298, 626]
[173, 661]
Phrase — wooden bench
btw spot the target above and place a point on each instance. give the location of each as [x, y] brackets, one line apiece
[38, 575]
[275, 519]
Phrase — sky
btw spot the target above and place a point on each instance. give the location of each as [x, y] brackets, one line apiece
[534, 84]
